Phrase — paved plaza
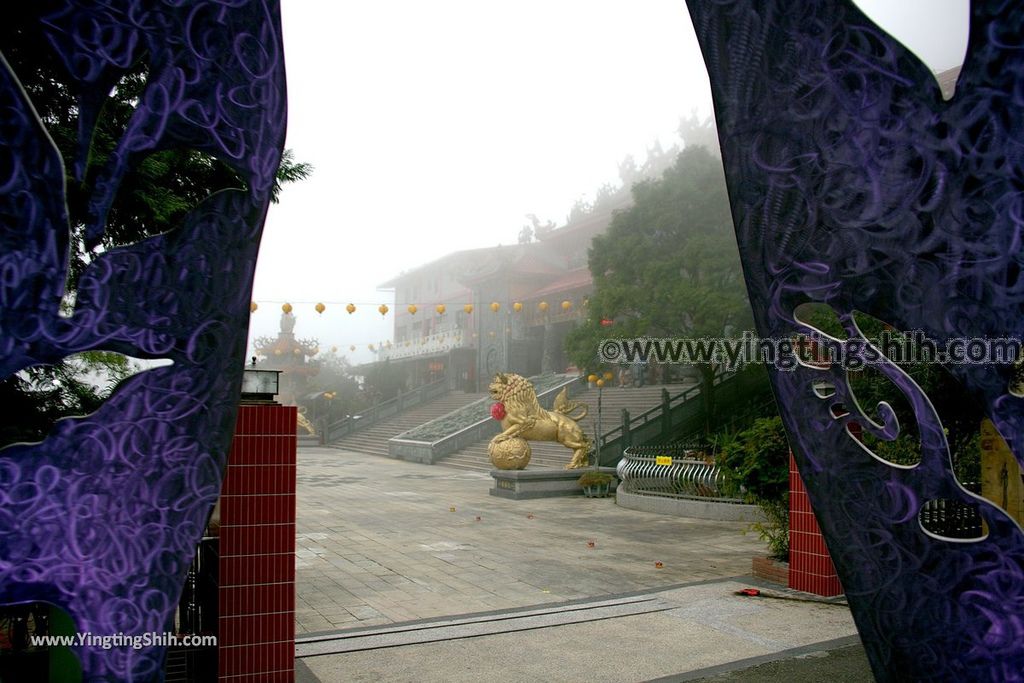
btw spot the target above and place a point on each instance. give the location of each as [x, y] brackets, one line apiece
[696, 632]
[415, 573]
[378, 542]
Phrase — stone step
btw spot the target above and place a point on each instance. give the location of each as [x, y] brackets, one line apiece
[373, 439]
[467, 464]
[553, 455]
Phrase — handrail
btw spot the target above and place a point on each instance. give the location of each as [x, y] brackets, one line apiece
[347, 425]
[683, 476]
[467, 407]
[698, 435]
[480, 406]
[434, 450]
[430, 451]
[656, 412]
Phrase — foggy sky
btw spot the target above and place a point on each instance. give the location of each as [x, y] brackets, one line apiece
[437, 126]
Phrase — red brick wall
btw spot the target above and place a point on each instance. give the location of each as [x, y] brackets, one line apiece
[810, 566]
[256, 634]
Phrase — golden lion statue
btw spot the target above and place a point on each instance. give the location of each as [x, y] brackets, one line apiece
[525, 418]
[303, 422]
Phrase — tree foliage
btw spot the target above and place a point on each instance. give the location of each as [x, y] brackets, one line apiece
[756, 460]
[334, 379]
[39, 396]
[756, 463]
[384, 382]
[166, 185]
[961, 415]
[668, 265]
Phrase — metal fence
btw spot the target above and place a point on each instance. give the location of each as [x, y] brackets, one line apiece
[676, 471]
[333, 431]
[683, 417]
[951, 518]
[680, 471]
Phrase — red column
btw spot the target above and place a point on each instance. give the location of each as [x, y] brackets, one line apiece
[810, 566]
[256, 626]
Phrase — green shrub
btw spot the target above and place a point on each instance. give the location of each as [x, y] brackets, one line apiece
[756, 460]
[774, 531]
[755, 463]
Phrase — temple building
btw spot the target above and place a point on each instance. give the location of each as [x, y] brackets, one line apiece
[540, 289]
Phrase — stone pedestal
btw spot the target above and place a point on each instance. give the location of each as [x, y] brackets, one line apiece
[524, 484]
[689, 507]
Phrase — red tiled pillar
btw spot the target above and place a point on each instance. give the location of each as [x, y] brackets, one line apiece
[256, 625]
[810, 566]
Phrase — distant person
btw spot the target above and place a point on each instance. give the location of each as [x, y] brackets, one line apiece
[639, 373]
[654, 373]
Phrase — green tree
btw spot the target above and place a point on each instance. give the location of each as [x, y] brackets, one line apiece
[153, 200]
[384, 382]
[333, 391]
[39, 396]
[668, 266]
[698, 132]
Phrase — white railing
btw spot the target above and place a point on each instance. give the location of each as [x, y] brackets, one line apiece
[422, 346]
[671, 471]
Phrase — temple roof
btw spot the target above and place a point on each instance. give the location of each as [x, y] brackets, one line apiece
[574, 279]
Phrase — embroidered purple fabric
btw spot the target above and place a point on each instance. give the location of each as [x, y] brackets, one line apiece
[854, 184]
[102, 517]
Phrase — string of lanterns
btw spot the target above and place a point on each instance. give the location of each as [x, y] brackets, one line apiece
[313, 350]
[384, 309]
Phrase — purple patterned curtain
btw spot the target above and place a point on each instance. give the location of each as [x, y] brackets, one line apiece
[854, 184]
[102, 517]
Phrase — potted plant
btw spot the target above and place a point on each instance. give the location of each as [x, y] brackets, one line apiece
[595, 484]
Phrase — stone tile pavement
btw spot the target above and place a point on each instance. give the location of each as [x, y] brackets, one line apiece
[702, 631]
[378, 542]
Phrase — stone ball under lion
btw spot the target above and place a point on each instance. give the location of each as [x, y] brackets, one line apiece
[511, 454]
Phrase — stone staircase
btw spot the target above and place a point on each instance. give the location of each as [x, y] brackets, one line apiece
[374, 440]
[548, 454]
